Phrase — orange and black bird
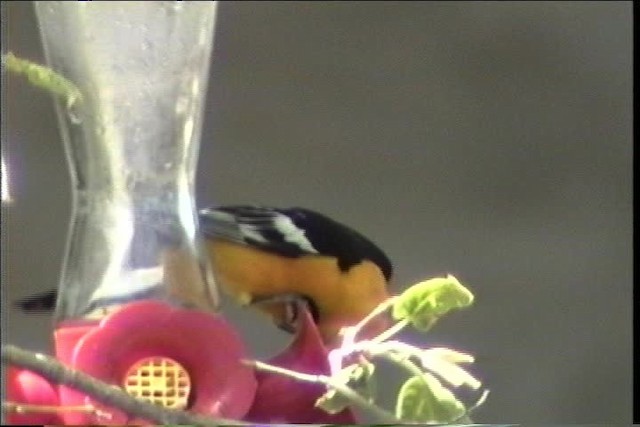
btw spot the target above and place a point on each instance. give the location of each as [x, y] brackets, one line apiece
[266, 254]
[271, 258]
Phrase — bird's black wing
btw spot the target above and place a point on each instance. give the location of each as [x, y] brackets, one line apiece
[292, 232]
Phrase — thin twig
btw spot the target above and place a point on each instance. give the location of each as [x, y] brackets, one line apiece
[380, 308]
[464, 418]
[349, 344]
[344, 390]
[109, 395]
[391, 331]
[25, 408]
[349, 333]
[403, 362]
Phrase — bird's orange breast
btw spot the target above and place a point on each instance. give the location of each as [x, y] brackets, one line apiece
[342, 298]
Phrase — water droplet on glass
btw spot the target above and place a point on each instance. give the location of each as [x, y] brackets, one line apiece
[74, 111]
[171, 6]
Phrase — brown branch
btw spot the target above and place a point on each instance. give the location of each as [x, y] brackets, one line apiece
[109, 395]
[346, 391]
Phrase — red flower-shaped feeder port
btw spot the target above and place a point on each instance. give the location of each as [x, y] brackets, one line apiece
[281, 399]
[179, 358]
[182, 359]
[29, 388]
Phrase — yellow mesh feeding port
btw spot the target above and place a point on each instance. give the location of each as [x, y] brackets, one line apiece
[159, 380]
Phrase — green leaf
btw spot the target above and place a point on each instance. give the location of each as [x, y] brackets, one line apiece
[43, 77]
[424, 303]
[358, 377]
[423, 399]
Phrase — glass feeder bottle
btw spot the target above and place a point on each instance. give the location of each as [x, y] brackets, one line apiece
[131, 139]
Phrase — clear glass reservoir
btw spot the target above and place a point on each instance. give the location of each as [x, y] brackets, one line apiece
[131, 137]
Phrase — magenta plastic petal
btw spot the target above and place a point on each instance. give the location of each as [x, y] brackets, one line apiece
[204, 344]
[280, 399]
[27, 387]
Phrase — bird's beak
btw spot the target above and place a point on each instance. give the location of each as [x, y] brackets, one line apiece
[283, 308]
[287, 327]
[274, 299]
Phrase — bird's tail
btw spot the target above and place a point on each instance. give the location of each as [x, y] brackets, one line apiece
[40, 302]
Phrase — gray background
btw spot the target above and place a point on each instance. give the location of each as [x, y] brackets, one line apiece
[489, 140]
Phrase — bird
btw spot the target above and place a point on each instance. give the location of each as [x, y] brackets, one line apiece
[273, 258]
[265, 255]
